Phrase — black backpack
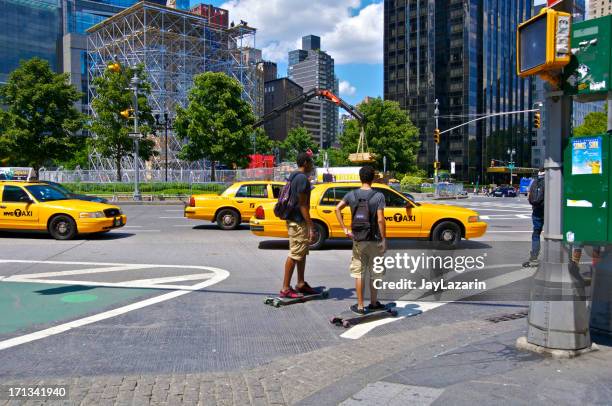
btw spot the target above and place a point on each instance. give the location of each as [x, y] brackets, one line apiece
[286, 202]
[536, 192]
[362, 224]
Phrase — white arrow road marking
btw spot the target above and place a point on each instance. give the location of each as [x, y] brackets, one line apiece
[432, 301]
[213, 276]
[404, 309]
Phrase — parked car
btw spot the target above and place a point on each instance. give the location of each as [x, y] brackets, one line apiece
[504, 191]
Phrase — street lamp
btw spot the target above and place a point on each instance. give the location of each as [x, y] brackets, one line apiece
[135, 81]
[511, 152]
[167, 123]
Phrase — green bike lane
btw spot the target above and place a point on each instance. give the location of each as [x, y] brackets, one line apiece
[27, 306]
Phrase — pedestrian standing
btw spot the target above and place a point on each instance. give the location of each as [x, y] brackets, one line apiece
[536, 199]
[368, 233]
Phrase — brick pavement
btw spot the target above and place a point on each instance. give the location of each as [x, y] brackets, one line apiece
[279, 382]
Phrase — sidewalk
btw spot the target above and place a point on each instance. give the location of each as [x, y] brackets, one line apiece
[458, 363]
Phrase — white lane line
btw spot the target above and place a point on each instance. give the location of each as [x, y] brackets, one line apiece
[219, 275]
[404, 309]
[169, 279]
[435, 300]
[509, 231]
[79, 271]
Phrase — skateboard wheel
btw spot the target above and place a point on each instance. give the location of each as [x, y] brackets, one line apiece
[346, 324]
[394, 313]
[267, 300]
[276, 304]
[325, 295]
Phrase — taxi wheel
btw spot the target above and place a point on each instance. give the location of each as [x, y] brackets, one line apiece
[62, 227]
[320, 236]
[446, 235]
[228, 219]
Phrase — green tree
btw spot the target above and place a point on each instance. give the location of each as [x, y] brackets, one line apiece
[298, 140]
[388, 132]
[263, 143]
[111, 129]
[594, 123]
[40, 119]
[217, 122]
[335, 157]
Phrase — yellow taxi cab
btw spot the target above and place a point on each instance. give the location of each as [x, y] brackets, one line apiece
[235, 205]
[28, 205]
[404, 217]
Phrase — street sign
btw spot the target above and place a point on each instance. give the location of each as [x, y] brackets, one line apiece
[135, 135]
[589, 73]
[511, 166]
[452, 169]
[552, 3]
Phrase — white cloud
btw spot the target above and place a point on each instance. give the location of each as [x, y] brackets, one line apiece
[281, 24]
[346, 89]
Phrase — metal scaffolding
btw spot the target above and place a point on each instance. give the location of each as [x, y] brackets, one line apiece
[173, 46]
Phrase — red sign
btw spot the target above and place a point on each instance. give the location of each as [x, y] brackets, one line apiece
[552, 3]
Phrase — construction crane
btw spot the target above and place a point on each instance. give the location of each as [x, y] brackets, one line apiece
[361, 156]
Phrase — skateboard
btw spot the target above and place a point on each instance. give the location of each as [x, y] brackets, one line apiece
[282, 301]
[348, 319]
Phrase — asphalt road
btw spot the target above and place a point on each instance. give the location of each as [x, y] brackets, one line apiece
[169, 295]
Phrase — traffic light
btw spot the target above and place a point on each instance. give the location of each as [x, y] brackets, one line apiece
[437, 135]
[537, 122]
[543, 43]
[126, 113]
[114, 67]
[437, 165]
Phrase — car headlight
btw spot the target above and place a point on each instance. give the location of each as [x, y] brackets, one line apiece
[473, 219]
[92, 215]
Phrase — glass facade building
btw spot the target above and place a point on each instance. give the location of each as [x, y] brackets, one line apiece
[28, 29]
[462, 53]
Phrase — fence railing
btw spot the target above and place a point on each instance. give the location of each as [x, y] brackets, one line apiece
[174, 175]
[448, 190]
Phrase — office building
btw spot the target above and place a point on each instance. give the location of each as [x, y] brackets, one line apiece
[599, 8]
[311, 68]
[277, 93]
[462, 53]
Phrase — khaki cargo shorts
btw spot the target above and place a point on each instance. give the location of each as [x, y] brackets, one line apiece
[298, 240]
[363, 259]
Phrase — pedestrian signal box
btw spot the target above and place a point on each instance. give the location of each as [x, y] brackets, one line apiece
[586, 180]
[589, 73]
[543, 43]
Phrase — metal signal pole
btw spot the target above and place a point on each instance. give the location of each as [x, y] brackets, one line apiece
[436, 116]
[135, 82]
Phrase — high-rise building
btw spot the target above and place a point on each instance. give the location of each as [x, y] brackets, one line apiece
[462, 53]
[277, 93]
[579, 110]
[599, 8]
[312, 68]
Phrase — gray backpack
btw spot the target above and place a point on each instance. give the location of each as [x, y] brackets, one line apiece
[363, 224]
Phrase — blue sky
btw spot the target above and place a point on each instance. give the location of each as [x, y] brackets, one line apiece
[351, 32]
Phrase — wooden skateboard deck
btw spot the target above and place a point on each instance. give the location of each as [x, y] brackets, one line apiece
[282, 301]
[348, 318]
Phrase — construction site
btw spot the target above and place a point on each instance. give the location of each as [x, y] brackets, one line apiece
[173, 46]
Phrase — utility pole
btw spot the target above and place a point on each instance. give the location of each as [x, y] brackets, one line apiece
[511, 152]
[135, 82]
[436, 116]
[558, 314]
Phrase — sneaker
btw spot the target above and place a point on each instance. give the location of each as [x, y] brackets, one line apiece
[531, 263]
[290, 294]
[306, 289]
[376, 306]
[355, 309]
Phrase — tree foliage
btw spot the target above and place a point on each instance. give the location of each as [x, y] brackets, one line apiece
[298, 140]
[40, 120]
[263, 143]
[110, 128]
[388, 132]
[594, 123]
[335, 157]
[217, 122]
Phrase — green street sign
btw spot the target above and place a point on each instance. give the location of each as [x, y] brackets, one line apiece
[511, 166]
[589, 72]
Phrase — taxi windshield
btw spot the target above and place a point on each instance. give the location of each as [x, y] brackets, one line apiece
[45, 193]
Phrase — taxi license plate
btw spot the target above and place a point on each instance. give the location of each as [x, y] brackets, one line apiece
[118, 222]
